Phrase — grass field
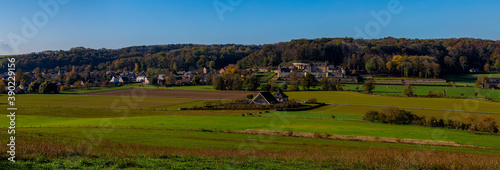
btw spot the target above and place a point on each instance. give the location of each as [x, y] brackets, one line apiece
[137, 85]
[396, 90]
[467, 79]
[150, 132]
[142, 148]
[341, 97]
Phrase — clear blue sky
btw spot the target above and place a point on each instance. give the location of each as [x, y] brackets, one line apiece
[122, 23]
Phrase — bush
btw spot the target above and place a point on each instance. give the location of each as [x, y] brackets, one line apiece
[408, 90]
[369, 86]
[312, 100]
[294, 88]
[284, 86]
[250, 96]
[392, 115]
[372, 116]
[435, 94]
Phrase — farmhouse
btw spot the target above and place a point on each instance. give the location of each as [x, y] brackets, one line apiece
[142, 79]
[119, 79]
[280, 96]
[264, 98]
[320, 70]
[268, 98]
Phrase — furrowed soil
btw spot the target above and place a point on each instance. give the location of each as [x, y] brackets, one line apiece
[195, 94]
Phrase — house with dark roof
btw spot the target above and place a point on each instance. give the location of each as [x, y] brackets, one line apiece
[264, 98]
[280, 96]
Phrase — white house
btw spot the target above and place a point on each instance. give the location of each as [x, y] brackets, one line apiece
[119, 79]
[142, 79]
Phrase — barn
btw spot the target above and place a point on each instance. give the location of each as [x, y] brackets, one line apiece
[264, 98]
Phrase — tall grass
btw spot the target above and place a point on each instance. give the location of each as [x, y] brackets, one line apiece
[43, 150]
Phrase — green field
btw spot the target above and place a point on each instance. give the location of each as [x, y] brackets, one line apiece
[467, 79]
[396, 90]
[341, 97]
[137, 85]
[128, 127]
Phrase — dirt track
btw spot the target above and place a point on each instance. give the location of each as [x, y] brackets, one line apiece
[195, 94]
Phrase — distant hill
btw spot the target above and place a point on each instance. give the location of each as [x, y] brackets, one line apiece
[417, 56]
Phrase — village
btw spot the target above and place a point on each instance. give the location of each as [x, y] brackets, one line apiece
[284, 75]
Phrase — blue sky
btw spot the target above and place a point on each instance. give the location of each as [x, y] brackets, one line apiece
[121, 23]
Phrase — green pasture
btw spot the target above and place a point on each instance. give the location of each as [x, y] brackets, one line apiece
[339, 127]
[315, 114]
[58, 111]
[342, 97]
[197, 139]
[467, 79]
[396, 90]
[357, 112]
[264, 77]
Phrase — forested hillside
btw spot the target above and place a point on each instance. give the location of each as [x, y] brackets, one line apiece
[384, 55]
[402, 57]
[174, 57]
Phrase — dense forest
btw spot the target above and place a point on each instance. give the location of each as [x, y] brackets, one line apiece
[400, 57]
[385, 55]
[174, 57]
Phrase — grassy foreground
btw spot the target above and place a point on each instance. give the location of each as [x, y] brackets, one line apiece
[129, 148]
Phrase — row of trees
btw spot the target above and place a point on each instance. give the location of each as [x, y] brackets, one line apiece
[393, 115]
[234, 79]
[405, 66]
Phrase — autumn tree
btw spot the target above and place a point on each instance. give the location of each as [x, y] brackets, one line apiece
[408, 90]
[463, 62]
[251, 83]
[2, 86]
[369, 86]
[325, 84]
[34, 86]
[48, 87]
[294, 78]
[308, 81]
[284, 86]
[482, 82]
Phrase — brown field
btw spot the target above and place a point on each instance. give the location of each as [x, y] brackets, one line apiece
[194, 94]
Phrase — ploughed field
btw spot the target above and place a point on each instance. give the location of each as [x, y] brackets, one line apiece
[134, 129]
[195, 94]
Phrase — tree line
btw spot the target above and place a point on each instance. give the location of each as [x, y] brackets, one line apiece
[175, 57]
[394, 56]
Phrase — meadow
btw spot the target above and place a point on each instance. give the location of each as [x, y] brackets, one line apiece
[150, 132]
[467, 79]
[128, 148]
